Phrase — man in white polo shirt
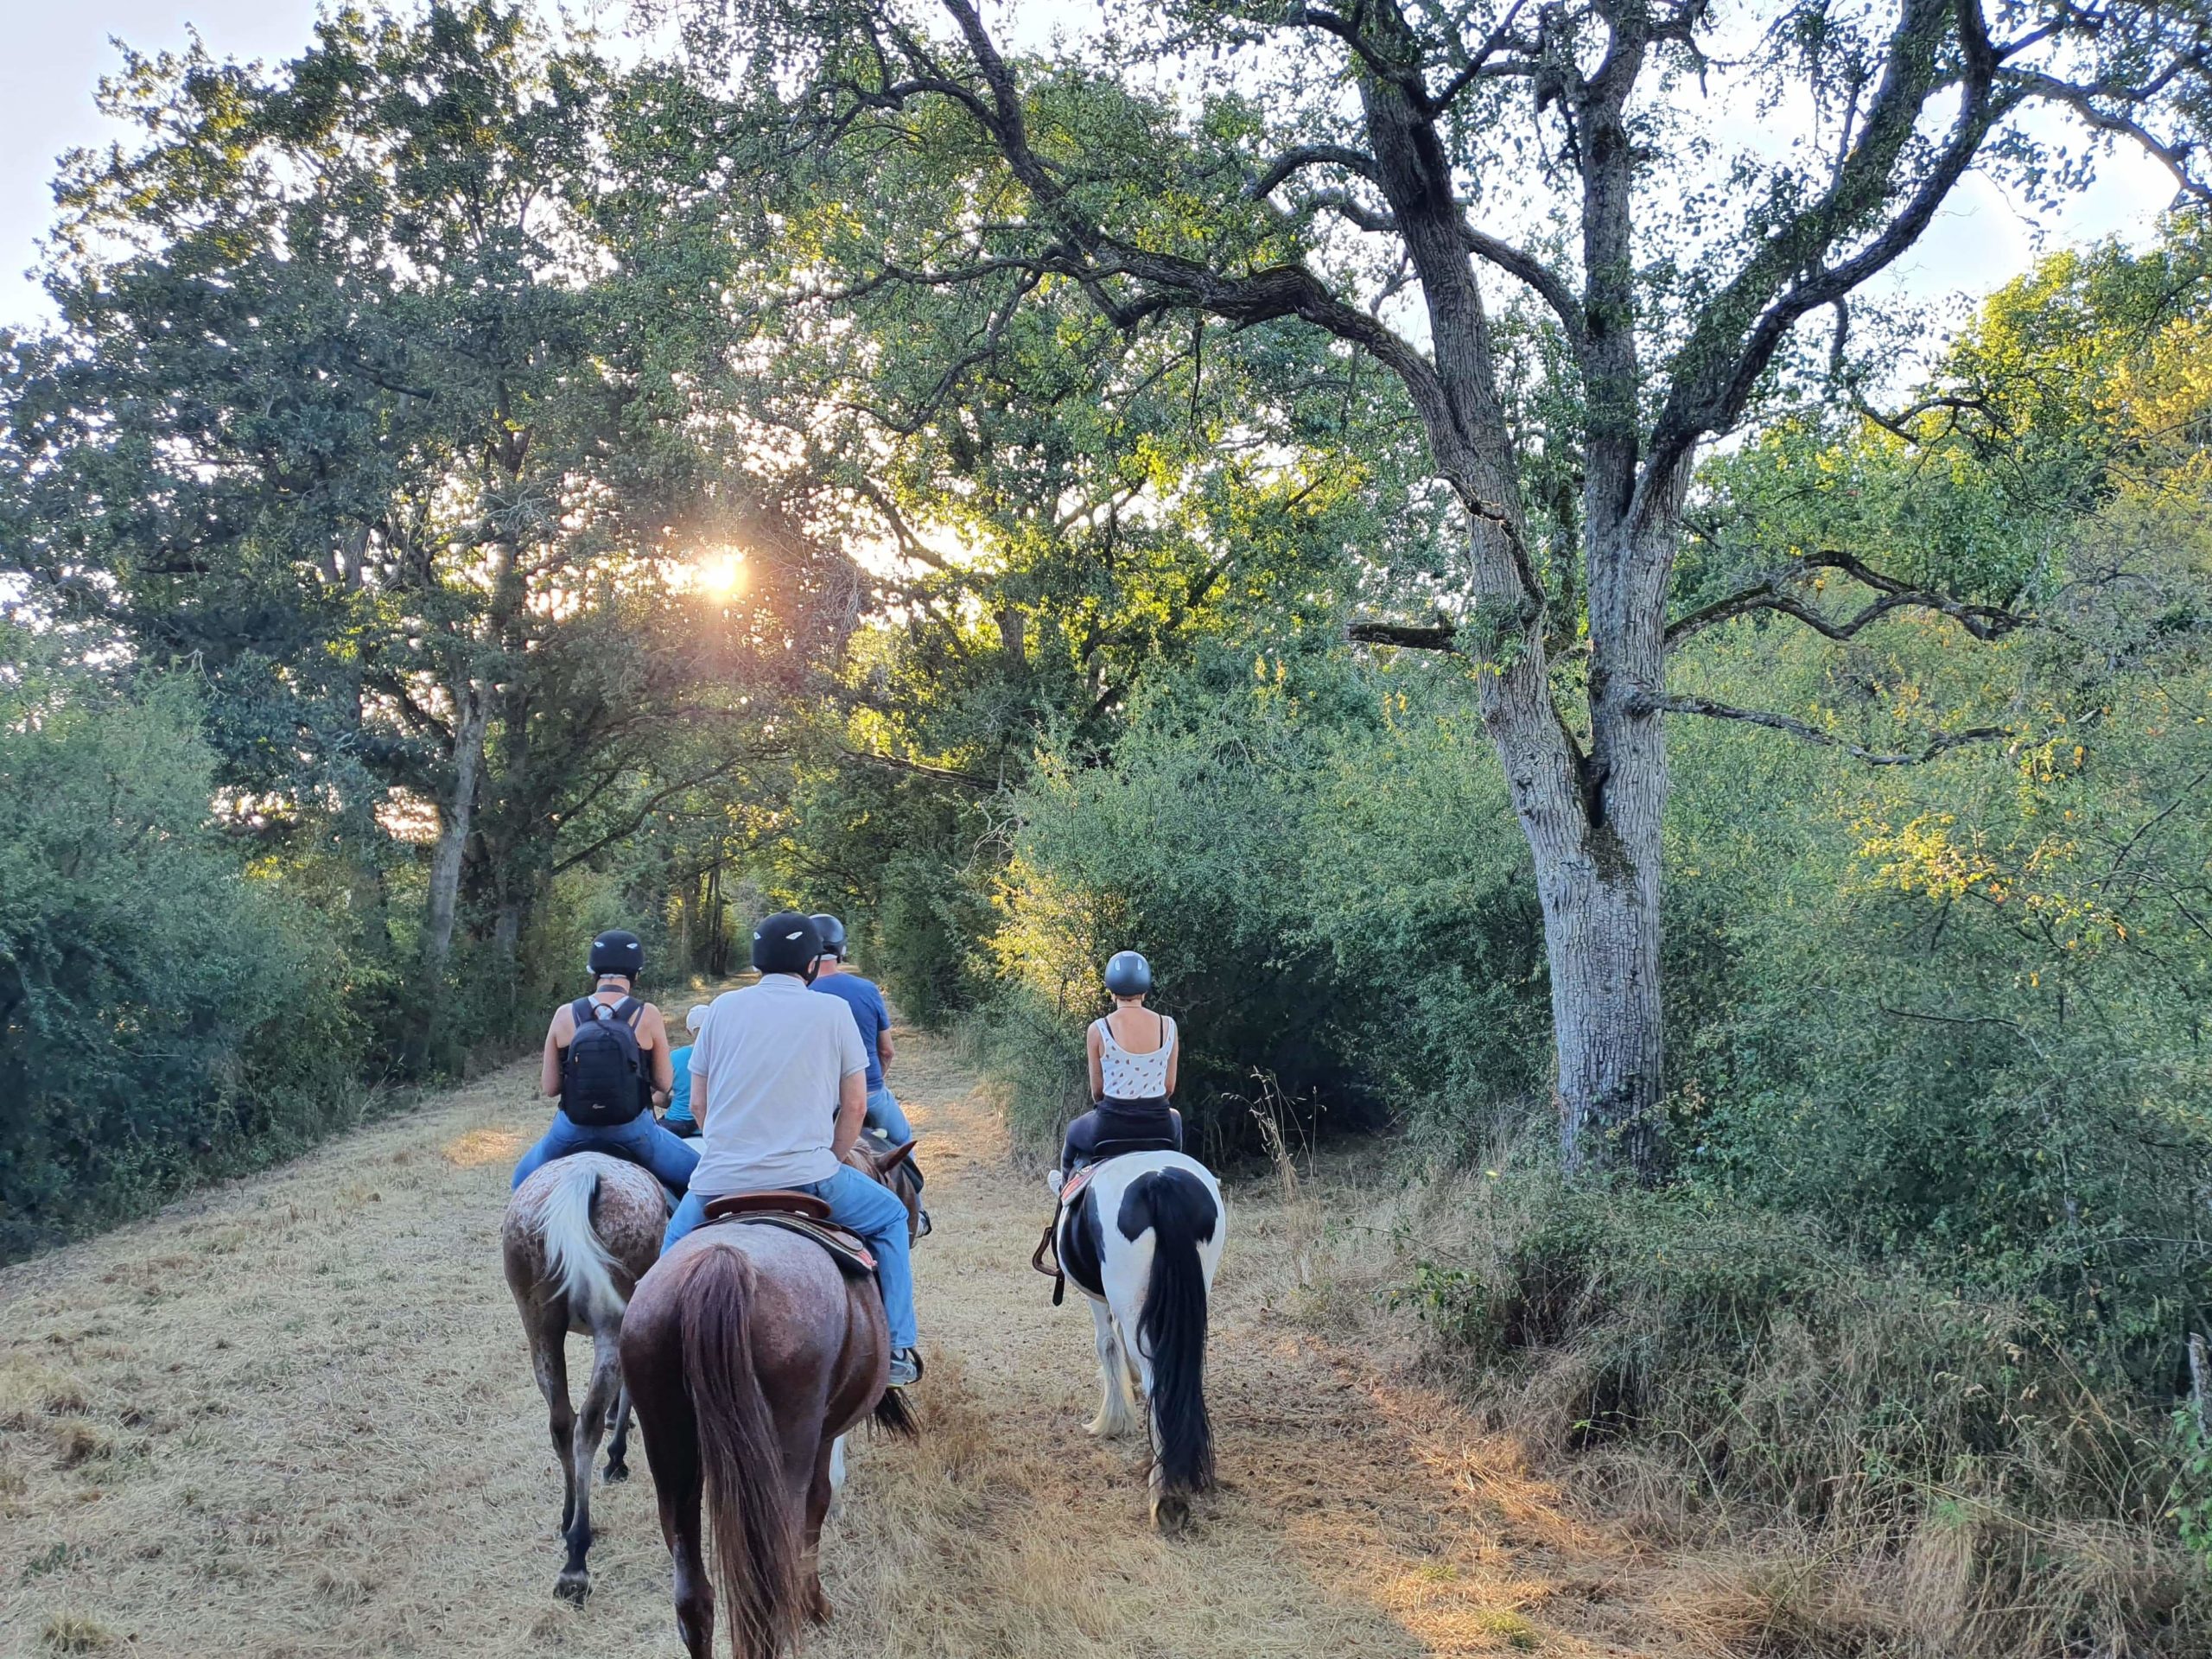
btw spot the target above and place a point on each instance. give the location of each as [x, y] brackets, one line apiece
[779, 1086]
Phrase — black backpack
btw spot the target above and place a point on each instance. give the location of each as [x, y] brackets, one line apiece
[603, 1079]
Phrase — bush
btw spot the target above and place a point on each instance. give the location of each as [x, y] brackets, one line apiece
[164, 1014]
[1329, 890]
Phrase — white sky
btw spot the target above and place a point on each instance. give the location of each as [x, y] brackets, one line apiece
[58, 48]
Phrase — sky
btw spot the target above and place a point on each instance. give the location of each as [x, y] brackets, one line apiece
[58, 49]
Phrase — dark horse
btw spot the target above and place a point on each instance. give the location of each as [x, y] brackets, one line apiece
[749, 1353]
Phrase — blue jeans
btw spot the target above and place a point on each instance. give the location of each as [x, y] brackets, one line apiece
[885, 1113]
[641, 1141]
[871, 1210]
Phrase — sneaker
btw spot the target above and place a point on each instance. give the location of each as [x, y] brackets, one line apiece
[906, 1369]
[922, 1224]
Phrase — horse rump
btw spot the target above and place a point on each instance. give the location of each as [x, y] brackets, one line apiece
[1182, 1215]
[756, 1542]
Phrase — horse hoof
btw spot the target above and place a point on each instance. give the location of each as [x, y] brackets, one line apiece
[817, 1606]
[618, 1472]
[1171, 1512]
[572, 1587]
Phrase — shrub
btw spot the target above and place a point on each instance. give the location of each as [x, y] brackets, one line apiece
[1938, 1461]
[165, 1013]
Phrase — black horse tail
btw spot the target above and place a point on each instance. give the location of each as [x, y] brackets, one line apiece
[756, 1536]
[1182, 1215]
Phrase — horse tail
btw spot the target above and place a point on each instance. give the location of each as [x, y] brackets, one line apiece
[756, 1536]
[895, 1417]
[576, 1259]
[1182, 1214]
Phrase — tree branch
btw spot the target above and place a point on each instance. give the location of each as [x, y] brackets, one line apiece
[1309, 156]
[1406, 636]
[1984, 622]
[940, 775]
[1649, 704]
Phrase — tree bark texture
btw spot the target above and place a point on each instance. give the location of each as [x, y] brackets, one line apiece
[472, 719]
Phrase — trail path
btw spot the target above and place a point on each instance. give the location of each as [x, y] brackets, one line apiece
[294, 1417]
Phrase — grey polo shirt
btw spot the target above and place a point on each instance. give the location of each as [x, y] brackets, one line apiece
[765, 1074]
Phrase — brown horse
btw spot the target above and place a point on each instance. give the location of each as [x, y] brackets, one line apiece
[750, 1354]
[578, 1235]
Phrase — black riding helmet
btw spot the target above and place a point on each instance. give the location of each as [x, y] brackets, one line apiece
[786, 943]
[833, 934]
[1128, 974]
[616, 952]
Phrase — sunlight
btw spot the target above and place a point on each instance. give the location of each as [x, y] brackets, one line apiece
[720, 576]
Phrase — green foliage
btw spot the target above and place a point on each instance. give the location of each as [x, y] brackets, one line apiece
[1324, 878]
[164, 1014]
[2192, 1509]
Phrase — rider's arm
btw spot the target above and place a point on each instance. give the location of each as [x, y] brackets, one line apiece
[548, 1073]
[1174, 1058]
[884, 1049]
[1098, 1063]
[652, 1033]
[852, 1107]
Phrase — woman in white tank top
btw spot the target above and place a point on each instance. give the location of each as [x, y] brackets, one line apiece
[1133, 1054]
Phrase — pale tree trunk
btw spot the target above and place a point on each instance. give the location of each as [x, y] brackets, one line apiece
[472, 719]
[1601, 885]
[1592, 820]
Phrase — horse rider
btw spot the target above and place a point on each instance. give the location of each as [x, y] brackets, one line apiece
[1133, 1052]
[870, 1013]
[678, 1119]
[782, 1075]
[607, 1061]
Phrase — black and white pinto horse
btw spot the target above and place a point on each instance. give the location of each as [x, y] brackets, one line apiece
[1142, 1238]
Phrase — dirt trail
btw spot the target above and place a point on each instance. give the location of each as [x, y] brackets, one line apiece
[293, 1417]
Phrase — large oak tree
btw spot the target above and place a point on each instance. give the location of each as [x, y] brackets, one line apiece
[1686, 196]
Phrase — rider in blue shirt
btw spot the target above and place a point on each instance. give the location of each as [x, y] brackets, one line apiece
[678, 1119]
[874, 1019]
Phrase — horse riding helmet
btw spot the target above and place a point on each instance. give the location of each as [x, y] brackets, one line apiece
[787, 943]
[1128, 974]
[833, 934]
[616, 952]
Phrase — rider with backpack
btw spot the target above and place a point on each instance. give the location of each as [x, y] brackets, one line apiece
[607, 1060]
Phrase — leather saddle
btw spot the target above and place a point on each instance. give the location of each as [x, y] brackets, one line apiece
[795, 1212]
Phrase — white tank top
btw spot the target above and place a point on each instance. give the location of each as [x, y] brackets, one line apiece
[1134, 1076]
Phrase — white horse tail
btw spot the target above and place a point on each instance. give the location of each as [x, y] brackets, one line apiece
[575, 1259]
[1183, 1215]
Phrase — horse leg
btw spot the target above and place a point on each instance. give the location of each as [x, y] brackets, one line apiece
[574, 1582]
[548, 1360]
[618, 1450]
[820, 1490]
[1113, 1419]
[836, 1477]
[679, 1482]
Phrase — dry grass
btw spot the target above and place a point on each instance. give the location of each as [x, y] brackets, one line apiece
[2013, 1554]
[292, 1417]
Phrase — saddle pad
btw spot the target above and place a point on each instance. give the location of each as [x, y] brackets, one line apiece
[774, 1200]
[1072, 1187]
[845, 1248]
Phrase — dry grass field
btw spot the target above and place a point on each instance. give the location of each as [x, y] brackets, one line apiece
[292, 1417]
